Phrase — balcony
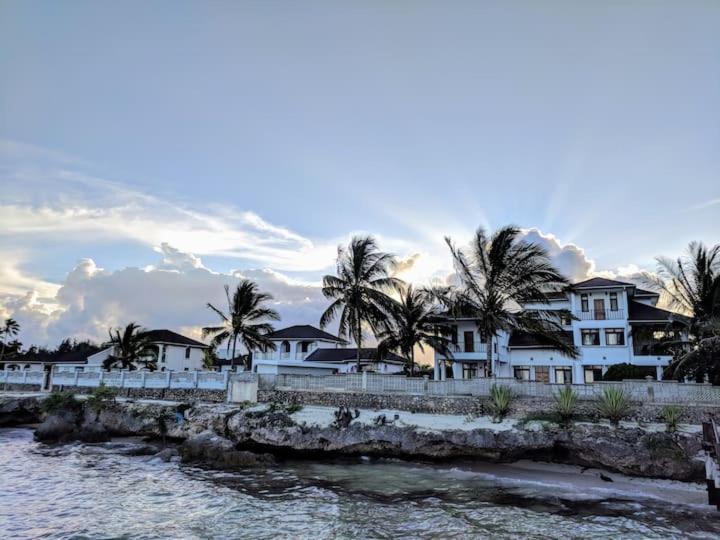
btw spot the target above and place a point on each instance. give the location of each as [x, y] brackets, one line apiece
[600, 315]
[470, 348]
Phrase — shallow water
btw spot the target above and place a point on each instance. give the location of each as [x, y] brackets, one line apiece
[93, 491]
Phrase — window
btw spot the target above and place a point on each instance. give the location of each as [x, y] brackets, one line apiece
[563, 375]
[593, 374]
[304, 346]
[542, 374]
[164, 354]
[454, 334]
[469, 371]
[584, 302]
[285, 347]
[468, 338]
[590, 336]
[522, 373]
[565, 320]
[187, 352]
[614, 336]
[613, 301]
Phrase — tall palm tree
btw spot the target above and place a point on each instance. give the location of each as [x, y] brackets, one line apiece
[130, 348]
[691, 283]
[360, 290]
[498, 275]
[415, 324]
[10, 328]
[243, 321]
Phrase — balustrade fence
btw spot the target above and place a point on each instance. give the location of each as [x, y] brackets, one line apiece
[638, 390]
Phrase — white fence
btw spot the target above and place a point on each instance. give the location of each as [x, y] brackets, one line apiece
[643, 391]
[21, 377]
[203, 380]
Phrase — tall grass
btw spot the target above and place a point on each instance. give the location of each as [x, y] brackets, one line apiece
[565, 401]
[614, 404]
[671, 416]
[501, 397]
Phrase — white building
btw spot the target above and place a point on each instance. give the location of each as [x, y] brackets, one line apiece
[615, 322]
[306, 350]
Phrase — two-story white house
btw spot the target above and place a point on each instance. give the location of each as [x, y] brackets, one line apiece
[613, 322]
[173, 352]
[306, 350]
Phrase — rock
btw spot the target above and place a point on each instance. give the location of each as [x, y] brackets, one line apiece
[219, 452]
[18, 411]
[168, 454]
[61, 426]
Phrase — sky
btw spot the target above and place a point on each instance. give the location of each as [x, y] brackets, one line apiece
[151, 152]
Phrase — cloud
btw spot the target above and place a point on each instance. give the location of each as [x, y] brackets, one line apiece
[570, 259]
[170, 294]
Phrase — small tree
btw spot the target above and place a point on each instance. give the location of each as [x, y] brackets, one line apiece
[671, 416]
[614, 405]
[10, 328]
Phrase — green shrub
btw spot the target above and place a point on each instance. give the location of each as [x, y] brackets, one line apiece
[614, 405]
[61, 401]
[620, 372]
[500, 399]
[565, 401]
[101, 396]
[671, 416]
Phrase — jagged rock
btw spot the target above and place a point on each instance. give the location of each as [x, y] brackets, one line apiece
[61, 426]
[219, 452]
[17, 411]
[167, 454]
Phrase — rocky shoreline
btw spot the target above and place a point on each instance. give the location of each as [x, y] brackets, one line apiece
[229, 436]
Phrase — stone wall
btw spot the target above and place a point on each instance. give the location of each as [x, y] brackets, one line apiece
[169, 394]
[20, 387]
[470, 405]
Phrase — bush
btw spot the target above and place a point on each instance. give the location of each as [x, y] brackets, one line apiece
[620, 372]
[565, 401]
[614, 405]
[61, 401]
[100, 396]
[671, 416]
[500, 399]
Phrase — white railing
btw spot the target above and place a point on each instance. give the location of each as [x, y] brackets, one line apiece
[21, 377]
[203, 380]
[643, 391]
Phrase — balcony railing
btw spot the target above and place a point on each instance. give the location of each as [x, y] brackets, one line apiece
[476, 346]
[600, 315]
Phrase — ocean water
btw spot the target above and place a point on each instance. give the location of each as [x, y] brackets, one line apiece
[96, 491]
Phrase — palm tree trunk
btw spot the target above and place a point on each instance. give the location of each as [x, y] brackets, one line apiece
[412, 362]
[489, 345]
[232, 360]
[359, 343]
[2, 352]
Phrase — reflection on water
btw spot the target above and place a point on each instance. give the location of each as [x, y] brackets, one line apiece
[93, 491]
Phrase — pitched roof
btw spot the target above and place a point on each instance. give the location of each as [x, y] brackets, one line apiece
[303, 331]
[600, 282]
[639, 312]
[643, 292]
[526, 339]
[173, 338]
[347, 354]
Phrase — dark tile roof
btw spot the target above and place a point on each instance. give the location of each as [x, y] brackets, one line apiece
[557, 295]
[168, 336]
[525, 339]
[346, 354]
[303, 331]
[75, 357]
[601, 282]
[642, 312]
[643, 292]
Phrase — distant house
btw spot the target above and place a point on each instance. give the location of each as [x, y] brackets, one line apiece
[307, 350]
[46, 361]
[173, 351]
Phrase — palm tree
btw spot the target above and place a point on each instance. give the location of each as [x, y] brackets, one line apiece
[10, 328]
[359, 291]
[415, 324]
[131, 347]
[245, 312]
[691, 283]
[500, 273]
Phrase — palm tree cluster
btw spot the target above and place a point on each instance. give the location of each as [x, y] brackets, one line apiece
[691, 284]
[131, 348]
[497, 275]
[10, 328]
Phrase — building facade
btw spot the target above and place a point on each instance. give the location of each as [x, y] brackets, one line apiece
[306, 350]
[612, 322]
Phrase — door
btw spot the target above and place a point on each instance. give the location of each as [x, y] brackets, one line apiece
[599, 305]
[469, 340]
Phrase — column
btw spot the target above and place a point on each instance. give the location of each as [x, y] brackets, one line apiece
[443, 370]
[659, 373]
[436, 372]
